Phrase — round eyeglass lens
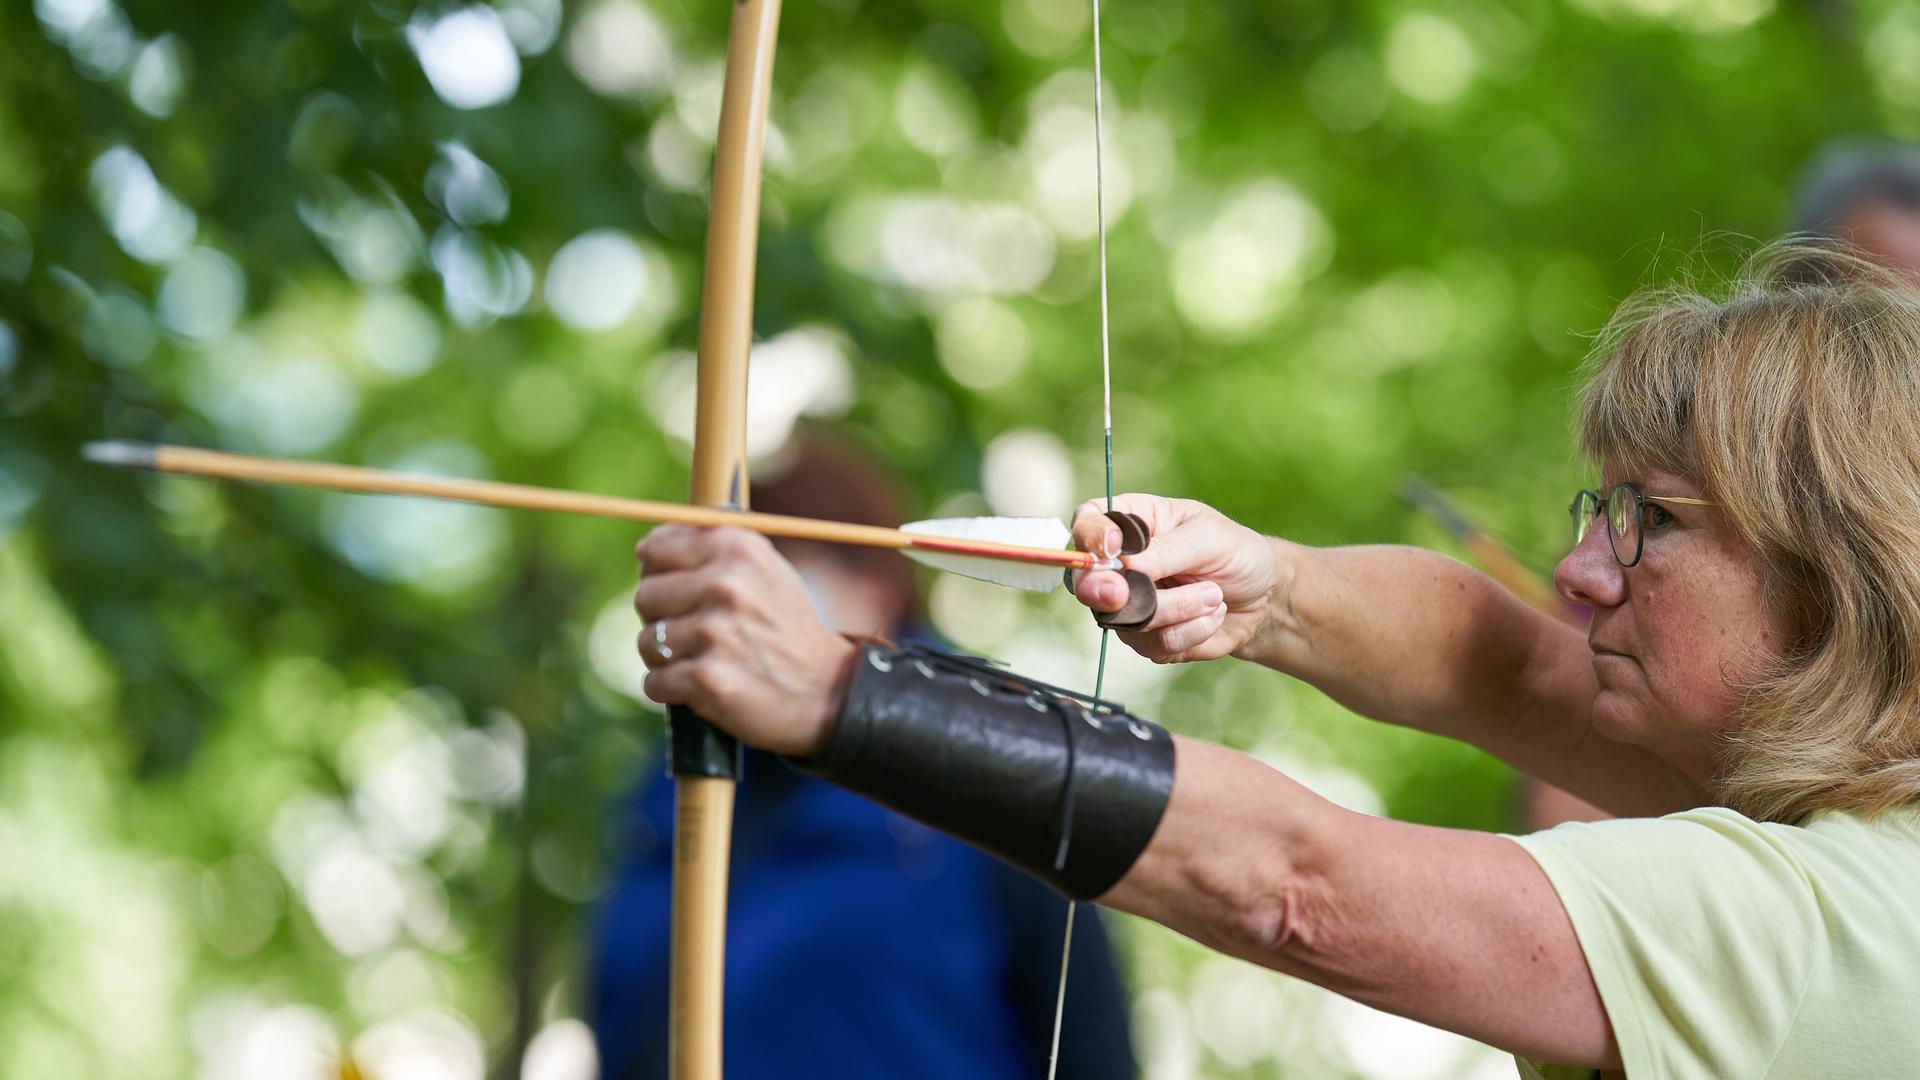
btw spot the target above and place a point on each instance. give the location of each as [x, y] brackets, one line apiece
[1623, 522]
[1585, 505]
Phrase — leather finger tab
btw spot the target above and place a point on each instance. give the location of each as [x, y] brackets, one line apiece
[1138, 611]
[1133, 531]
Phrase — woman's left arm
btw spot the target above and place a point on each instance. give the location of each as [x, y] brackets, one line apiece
[1453, 928]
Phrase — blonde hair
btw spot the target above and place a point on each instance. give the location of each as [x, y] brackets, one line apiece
[1795, 403]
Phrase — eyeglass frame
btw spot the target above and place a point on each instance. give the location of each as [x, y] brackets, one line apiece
[1583, 524]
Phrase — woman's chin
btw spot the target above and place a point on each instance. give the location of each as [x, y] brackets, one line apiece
[1618, 717]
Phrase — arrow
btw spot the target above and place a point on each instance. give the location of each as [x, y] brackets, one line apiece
[1024, 553]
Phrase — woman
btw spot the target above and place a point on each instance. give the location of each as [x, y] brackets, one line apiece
[1751, 670]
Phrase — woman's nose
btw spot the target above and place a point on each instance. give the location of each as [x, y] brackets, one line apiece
[1589, 574]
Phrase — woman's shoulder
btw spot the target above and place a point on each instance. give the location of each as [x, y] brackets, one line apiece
[1770, 936]
[1831, 846]
[1831, 841]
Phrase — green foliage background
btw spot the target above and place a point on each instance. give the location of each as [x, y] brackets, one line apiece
[1361, 237]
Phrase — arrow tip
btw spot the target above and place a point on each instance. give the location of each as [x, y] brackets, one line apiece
[121, 454]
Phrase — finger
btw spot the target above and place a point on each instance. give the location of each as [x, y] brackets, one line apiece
[675, 547]
[1093, 531]
[674, 592]
[683, 638]
[1180, 640]
[1104, 590]
[1184, 603]
[693, 683]
[1175, 551]
[1101, 590]
[672, 684]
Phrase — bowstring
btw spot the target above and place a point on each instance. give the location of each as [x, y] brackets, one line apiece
[1106, 417]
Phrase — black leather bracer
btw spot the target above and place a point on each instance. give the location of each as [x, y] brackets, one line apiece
[1063, 786]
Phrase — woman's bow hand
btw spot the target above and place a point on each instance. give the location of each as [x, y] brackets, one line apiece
[729, 630]
[1218, 580]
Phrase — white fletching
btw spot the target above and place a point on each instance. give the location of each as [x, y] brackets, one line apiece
[1026, 532]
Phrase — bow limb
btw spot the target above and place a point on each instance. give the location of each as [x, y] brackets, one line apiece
[705, 761]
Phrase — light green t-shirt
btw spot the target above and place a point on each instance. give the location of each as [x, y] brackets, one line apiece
[1730, 949]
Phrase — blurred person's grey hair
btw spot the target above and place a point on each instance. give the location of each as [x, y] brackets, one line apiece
[1852, 173]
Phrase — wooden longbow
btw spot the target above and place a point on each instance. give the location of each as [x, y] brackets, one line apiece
[705, 761]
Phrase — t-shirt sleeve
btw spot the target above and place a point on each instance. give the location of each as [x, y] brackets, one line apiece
[1701, 930]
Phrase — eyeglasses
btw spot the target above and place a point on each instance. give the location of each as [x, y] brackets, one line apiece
[1626, 508]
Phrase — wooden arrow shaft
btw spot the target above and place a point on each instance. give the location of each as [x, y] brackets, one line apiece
[268, 470]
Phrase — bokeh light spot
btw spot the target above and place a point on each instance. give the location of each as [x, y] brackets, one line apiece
[800, 373]
[1893, 56]
[244, 1037]
[534, 25]
[467, 56]
[466, 188]
[982, 342]
[1429, 58]
[280, 404]
[1045, 28]
[613, 649]
[150, 224]
[483, 281]
[1058, 145]
[159, 76]
[397, 333]
[619, 49]
[437, 546]
[1406, 315]
[202, 295]
[356, 900]
[119, 331]
[935, 110]
[1026, 473]
[562, 1050]
[1237, 274]
[596, 280]
[938, 245]
[375, 242]
[422, 1045]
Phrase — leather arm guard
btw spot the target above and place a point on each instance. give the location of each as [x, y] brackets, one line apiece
[1065, 787]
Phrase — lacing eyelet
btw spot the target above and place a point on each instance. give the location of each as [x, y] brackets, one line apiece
[924, 669]
[1140, 730]
[879, 662]
[979, 688]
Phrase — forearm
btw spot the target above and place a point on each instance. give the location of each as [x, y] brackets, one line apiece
[1439, 925]
[1411, 637]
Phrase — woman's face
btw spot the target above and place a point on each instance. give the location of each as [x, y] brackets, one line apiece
[1675, 636]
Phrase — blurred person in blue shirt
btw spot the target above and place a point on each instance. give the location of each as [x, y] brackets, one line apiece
[859, 943]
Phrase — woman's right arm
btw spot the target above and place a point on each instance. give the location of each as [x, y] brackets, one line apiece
[1398, 634]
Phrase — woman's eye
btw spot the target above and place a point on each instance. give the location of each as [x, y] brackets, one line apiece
[1658, 516]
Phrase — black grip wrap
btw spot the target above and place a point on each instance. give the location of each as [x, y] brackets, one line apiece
[1062, 786]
